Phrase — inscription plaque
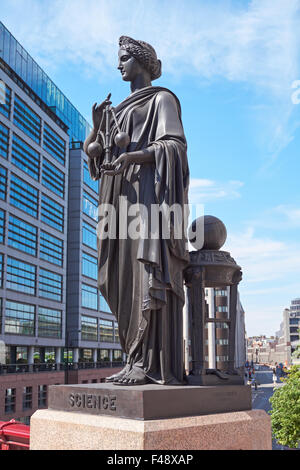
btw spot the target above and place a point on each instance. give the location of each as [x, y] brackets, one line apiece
[144, 402]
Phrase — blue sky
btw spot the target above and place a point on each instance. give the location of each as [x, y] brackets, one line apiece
[232, 63]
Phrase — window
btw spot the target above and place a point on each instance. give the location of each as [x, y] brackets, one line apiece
[2, 226]
[86, 354]
[27, 120]
[89, 235]
[221, 293]
[20, 276]
[89, 297]
[51, 248]
[23, 196]
[1, 279]
[4, 136]
[3, 183]
[90, 206]
[222, 358]
[104, 355]
[117, 355]
[10, 400]
[222, 342]
[19, 318]
[222, 325]
[103, 305]
[50, 285]
[223, 308]
[50, 323]
[89, 266]
[52, 213]
[22, 236]
[25, 158]
[89, 328]
[106, 331]
[117, 339]
[42, 396]
[54, 144]
[94, 185]
[5, 99]
[27, 398]
[53, 178]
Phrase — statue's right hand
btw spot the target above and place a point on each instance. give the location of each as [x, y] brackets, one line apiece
[97, 112]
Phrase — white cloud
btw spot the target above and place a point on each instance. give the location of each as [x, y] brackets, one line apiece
[255, 42]
[271, 278]
[205, 190]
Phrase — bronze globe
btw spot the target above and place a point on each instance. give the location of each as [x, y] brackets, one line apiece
[207, 233]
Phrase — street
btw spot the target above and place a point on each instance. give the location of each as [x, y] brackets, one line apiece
[261, 396]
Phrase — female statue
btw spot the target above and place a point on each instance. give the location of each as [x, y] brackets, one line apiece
[142, 279]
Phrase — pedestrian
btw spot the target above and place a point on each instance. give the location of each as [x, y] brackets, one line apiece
[274, 377]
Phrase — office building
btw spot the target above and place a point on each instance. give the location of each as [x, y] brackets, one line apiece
[50, 310]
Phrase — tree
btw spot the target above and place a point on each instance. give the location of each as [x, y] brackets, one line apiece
[285, 413]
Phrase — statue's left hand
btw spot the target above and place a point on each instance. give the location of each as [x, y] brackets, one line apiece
[124, 160]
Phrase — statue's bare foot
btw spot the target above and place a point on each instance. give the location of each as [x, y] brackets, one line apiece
[135, 376]
[118, 376]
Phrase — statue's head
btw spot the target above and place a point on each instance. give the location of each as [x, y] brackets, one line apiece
[137, 57]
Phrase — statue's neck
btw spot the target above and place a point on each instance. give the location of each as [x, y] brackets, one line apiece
[140, 82]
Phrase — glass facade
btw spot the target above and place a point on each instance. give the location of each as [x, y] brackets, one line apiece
[49, 323]
[27, 120]
[19, 318]
[2, 225]
[34, 77]
[51, 248]
[50, 285]
[25, 157]
[103, 305]
[4, 140]
[90, 206]
[89, 328]
[89, 297]
[1, 277]
[22, 236]
[3, 183]
[94, 185]
[106, 331]
[53, 178]
[52, 213]
[24, 196]
[5, 96]
[89, 235]
[89, 266]
[20, 276]
[54, 144]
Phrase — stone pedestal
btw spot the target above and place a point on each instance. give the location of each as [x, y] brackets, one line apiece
[61, 430]
[149, 417]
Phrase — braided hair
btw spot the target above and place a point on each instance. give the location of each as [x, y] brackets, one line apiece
[144, 53]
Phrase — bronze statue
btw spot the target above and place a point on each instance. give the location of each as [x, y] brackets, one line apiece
[142, 279]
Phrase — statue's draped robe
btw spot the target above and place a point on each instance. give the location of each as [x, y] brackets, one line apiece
[142, 279]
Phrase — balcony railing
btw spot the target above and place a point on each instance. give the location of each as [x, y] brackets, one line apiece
[51, 367]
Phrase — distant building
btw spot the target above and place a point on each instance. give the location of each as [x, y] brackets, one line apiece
[217, 334]
[281, 347]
